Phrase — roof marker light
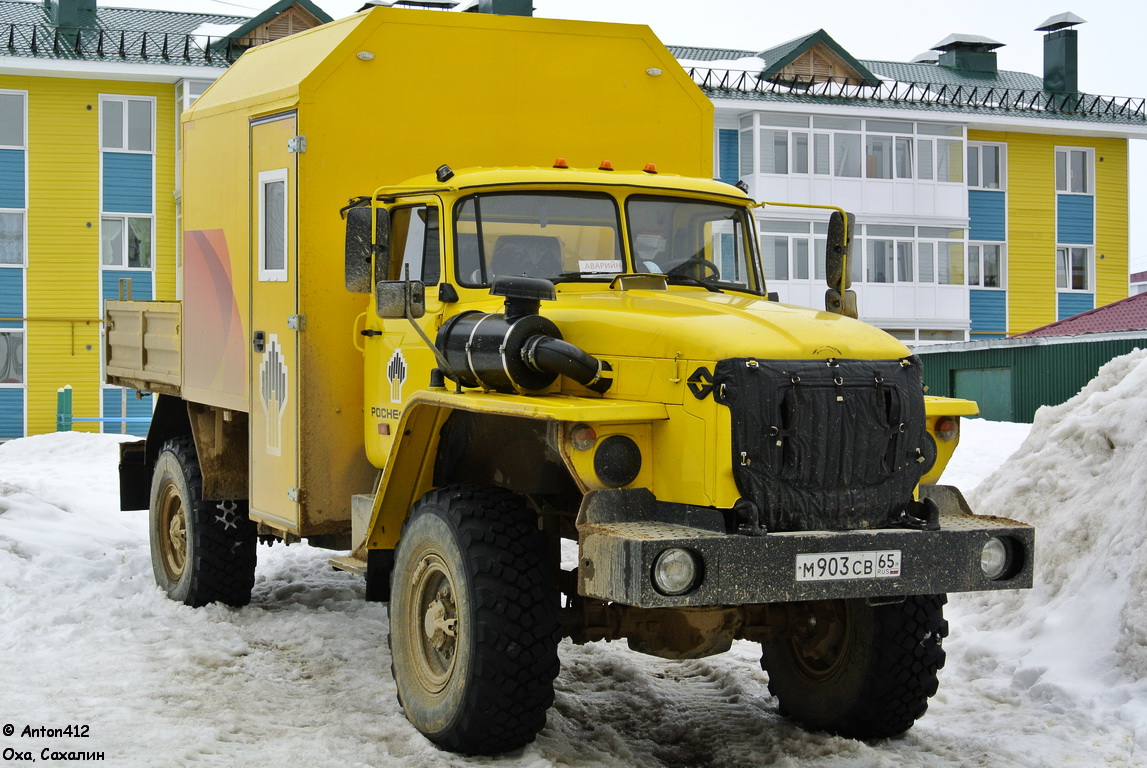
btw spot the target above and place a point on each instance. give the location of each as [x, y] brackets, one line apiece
[561, 163]
[605, 166]
[650, 168]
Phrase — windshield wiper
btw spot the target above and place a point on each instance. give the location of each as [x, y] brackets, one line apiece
[680, 279]
[577, 277]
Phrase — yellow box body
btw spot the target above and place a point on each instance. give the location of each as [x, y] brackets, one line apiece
[379, 97]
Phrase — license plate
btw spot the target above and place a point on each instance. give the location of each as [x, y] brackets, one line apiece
[839, 566]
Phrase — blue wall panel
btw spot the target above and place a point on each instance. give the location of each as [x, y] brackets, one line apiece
[11, 412]
[127, 183]
[11, 296]
[989, 311]
[728, 157]
[12, 178]
[986, 212]
[1071, 304]
[1076, 219]
[113, 407]
[140, 283]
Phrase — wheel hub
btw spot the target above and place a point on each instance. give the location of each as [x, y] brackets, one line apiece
[439, 623]
[174, 543]
[821, 640]
[433, 622]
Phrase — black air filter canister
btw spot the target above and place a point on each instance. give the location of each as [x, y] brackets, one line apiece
[485, 350]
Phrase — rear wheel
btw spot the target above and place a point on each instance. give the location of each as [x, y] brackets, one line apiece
[201, 551]
[855, 669]
[473, 620]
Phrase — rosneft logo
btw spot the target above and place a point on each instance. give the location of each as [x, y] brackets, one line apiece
[396, 375]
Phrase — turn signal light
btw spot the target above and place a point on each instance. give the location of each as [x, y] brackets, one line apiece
[948, 427]
[582, 437]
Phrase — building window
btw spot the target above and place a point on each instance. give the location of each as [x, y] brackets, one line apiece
[986, 265]
[789, 252]
[1073, 268]
[127, 124]
[12, 120]
[1073, 171]
[11, 237]
[273, 225]
[11, 357]
[782, 144]
[126, 242]
[986, 166]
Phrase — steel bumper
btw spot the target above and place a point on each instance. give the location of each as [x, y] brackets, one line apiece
[622, 532]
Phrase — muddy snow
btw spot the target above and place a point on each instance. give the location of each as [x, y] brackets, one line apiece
[1051, 676]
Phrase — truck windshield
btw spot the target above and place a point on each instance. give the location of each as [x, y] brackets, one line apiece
[568, 236]
[549, 235]
[694, 240]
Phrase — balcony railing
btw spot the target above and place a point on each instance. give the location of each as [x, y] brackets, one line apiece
[936, 94]
[104, 44]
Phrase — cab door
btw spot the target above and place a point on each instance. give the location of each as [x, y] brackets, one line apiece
[398, 362]
[274, 394]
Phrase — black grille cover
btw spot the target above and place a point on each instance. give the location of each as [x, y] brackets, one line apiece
[826, 444]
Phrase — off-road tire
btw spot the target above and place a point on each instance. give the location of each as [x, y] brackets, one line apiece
[473, 620]
[870, 677]
[202, 551]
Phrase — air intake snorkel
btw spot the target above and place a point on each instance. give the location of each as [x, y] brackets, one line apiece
[517, 351]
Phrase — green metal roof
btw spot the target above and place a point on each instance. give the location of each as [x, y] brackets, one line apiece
[934, 73]
[124, 35]
[909, 86]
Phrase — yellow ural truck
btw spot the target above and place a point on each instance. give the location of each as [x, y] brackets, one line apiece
[534, 399]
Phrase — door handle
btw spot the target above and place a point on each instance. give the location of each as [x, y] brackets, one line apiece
[260, 341]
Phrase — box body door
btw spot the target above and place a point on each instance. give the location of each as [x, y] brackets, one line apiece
[274, 449]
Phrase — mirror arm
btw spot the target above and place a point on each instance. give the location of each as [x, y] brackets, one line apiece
[847, 234]
[445, 366]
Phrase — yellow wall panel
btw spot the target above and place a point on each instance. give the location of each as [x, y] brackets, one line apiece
[1112, 249]
[63, 303]
[1032, 293]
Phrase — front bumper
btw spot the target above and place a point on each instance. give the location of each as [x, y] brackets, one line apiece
[621, 532]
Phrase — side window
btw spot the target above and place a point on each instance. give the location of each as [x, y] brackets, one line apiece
[415, 234]
[273, 225]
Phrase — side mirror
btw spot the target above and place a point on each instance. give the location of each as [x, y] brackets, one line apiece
[838, 264]
[841, 305]
[838, 251]
[400, 298]
[358, 248]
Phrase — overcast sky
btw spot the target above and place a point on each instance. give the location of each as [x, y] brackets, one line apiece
[1110, 44]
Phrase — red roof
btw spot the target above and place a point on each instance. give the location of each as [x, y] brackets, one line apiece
[1129, 314]
[1139, 277]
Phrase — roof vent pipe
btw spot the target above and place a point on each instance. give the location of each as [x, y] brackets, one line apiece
[1061, 53]
[71, 13]
[971, 53]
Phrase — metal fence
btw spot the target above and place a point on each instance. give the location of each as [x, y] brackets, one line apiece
[938, 94]
[45, 41]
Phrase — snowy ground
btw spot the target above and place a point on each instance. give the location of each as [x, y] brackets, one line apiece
[1048, 677]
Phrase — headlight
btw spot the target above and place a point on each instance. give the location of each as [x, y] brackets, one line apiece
[617, 461]
[995, 558]
[675, 571]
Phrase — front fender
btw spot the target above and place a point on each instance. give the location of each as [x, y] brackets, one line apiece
[409, 470]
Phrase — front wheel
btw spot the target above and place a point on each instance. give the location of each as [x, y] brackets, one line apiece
[858, 670]
[473, 620]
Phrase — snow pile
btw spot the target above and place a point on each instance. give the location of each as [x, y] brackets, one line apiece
[301, 676]
[1081, 479]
